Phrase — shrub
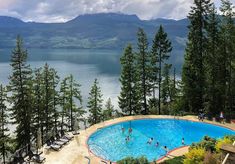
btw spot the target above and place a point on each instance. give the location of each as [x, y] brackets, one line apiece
[220, 142]
[143, 160]
[207, 143]
[127, 160]
[153, 105]
[131, 160]
[210, 158]
[231, 137]
[195, 155]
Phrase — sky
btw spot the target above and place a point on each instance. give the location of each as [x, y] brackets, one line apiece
[64, 10]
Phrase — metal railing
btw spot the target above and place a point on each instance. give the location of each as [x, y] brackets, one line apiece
[227, 155]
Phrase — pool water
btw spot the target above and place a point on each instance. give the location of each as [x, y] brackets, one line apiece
[110, 142]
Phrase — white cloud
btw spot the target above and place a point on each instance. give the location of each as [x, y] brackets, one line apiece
[64, 10]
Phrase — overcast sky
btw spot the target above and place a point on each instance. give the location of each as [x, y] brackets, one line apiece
[64, 10]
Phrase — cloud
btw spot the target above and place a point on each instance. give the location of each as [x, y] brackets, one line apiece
[64, 10]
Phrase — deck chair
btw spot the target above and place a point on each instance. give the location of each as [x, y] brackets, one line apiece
[75, 133]
[66, 136]
[60, 143]
[59, 138]
[53, 146]
[36, 157]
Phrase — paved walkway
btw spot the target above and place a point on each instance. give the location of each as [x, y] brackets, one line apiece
[174, 153]
[76, 151]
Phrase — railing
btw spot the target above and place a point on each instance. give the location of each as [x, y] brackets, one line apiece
[104, 162]
[227, 155]
[89, 161]
[99, 150]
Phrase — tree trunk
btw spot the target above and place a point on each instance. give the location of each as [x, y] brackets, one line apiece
[159, 84]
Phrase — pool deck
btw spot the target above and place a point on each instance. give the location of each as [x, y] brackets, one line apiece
[76, 150]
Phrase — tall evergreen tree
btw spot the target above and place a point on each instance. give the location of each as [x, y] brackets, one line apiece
[160, 52]
[129, 99]
[95, 104]
[109, 109]
[37, 114]
[228, 34]
[55, 95]
[49, 82]
[213, 65]
[4, 131]
[173, 87]
[143, 68]
[193, 75]
[154, 71]
[21, 88]
[166, 84]
[64, 101]
[74, 95]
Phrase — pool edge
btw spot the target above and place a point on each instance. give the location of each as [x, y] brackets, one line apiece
[143, 117]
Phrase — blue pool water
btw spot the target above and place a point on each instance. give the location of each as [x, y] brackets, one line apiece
[109, 142]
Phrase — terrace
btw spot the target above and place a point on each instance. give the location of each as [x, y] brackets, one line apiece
[77, 150]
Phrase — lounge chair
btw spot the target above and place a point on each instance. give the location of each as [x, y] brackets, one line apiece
[66, 136]
[39, 159]
[17, 160]
[75, 133]
[19, 156]
[60, 143]
[36, 157]
[58, 138]
[53, 146]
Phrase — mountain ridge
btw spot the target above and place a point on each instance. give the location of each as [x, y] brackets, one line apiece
[96, 31]
[103, 30]
[92, 15]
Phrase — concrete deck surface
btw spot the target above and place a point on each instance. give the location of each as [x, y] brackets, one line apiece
[76, 150]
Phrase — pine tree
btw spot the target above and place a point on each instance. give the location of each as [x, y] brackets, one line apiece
[49, 93]
[74, 95]
[21, 88]
[228, 34]
[160, 52]
[109, 109]
[129, 99]
[63, 100]
[4, 131]
[173, 87]
[193, 74]
[166, 84]
[95, 104]
[143, 68]
[154, 71]
[213, 95]
[37, 114]
[55, 95]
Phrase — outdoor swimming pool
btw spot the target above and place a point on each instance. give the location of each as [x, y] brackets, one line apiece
[110, 142]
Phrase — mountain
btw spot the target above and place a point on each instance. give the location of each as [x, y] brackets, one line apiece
[108, 18]
[104, 30]
[10, 22]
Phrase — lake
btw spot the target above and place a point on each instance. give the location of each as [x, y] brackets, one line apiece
[84, 64]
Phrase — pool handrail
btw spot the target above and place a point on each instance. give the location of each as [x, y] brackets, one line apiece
[89, 161]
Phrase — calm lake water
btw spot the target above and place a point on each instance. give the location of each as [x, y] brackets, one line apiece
[84, 64]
